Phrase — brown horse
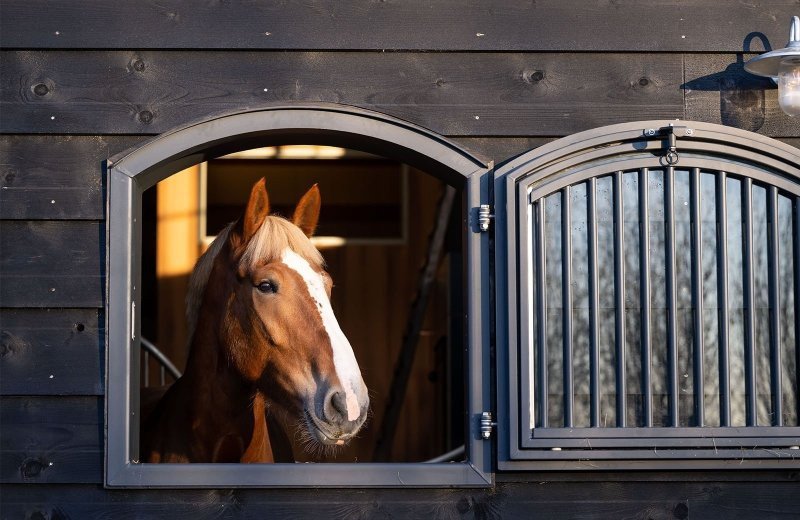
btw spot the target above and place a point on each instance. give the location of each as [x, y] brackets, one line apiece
[264, 336]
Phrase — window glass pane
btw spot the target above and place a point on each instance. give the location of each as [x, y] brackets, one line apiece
[606, 314]
[554, 304]
[736, 316]
[709, 245]
[761, 306]
[789, 353]
[633, 353]
[684, 320]
[658, 301]
[580, 304]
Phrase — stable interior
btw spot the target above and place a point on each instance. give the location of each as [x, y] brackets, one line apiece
[377, 218]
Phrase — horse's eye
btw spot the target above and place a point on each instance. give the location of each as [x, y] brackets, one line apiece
[267, 287]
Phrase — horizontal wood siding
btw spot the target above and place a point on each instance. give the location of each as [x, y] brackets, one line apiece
[52, 352]
[474, 25]
[52, 263]
[512, 94]
[456, 94]
[50, 440]
[544, 499]
[55, 177]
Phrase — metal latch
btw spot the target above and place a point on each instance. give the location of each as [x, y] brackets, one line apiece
[484, 217]
[672, 132]
[486, 425]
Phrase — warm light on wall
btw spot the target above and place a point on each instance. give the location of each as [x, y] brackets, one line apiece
[783, 66]
[290, 152]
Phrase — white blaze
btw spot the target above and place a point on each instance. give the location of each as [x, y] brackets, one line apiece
[344, 360]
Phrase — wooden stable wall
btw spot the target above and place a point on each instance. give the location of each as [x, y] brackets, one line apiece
[84, 80]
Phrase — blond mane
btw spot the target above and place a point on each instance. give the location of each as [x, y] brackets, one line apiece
[267, 245]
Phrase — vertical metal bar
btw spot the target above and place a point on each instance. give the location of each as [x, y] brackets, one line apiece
[796, 268]
[619, 299]
[749, 301]
[163, 376]
[774, 307]
[671, 283]
[566, 298]
[644, 273]
[697, 298]
[594, 304]
[722, 292]
[541, 306]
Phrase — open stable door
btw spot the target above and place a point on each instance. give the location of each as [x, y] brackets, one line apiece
[648, 279]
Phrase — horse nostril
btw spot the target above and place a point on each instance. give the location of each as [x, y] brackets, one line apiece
[339, 404]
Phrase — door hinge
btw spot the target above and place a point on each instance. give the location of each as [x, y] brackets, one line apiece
[487, 425]
[672, 132]
[485, 217]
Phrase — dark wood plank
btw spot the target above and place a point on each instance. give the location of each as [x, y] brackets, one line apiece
[474, 25]
[542, 499]
[465, 94]
[500, 149]
[55, 177]
[48, 440]
[51, 263]
[719, 90]
[51, 351]
[792, 141]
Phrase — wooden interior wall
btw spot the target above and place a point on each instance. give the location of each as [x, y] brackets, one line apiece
[83, 80]
[374, 289]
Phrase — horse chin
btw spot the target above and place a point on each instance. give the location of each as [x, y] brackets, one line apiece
[317, 434]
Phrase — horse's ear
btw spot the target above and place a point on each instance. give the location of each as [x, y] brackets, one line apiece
[306, 214]
[256, 211]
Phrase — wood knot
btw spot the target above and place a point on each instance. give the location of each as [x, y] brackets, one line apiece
[32, 468]
[40, 89]
[146, 117]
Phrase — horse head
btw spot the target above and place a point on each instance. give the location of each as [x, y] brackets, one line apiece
[276, 327]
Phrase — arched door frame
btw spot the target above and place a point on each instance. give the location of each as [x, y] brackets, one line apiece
[132, 172]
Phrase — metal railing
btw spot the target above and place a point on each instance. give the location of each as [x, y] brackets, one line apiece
[165, 365]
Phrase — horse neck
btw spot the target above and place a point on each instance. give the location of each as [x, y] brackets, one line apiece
[227, 413]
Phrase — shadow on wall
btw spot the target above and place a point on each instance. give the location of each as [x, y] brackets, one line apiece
[741, 94]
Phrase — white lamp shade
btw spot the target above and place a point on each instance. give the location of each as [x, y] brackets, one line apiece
[789, 86]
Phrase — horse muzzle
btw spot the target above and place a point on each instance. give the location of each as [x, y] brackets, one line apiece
[332, 421]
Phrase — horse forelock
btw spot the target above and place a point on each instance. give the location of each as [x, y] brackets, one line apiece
[274, 236]
[267, 245]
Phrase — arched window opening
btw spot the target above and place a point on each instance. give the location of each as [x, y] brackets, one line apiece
[399, 240]
[381, 220]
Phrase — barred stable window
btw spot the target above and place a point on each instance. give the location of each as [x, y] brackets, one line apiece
[655, 270]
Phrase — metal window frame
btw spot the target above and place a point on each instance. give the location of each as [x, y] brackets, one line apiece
[131, 173]
[556, 166]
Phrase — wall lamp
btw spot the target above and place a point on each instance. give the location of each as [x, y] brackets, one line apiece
[783, 66]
